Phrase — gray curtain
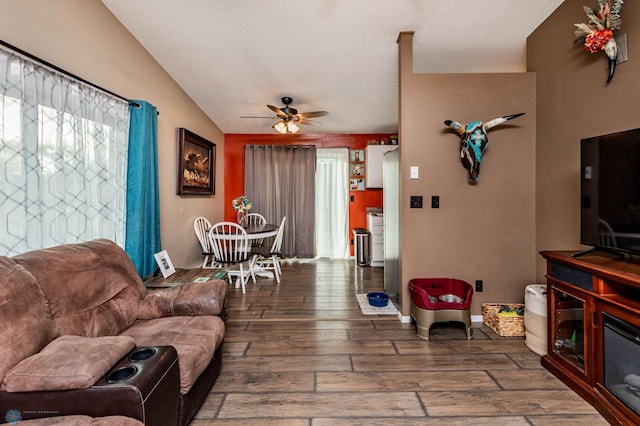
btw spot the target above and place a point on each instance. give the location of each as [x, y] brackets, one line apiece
[280, 181]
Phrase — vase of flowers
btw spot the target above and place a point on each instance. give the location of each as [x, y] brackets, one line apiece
[241, 205]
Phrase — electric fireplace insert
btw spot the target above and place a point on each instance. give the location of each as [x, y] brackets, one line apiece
[622, 360]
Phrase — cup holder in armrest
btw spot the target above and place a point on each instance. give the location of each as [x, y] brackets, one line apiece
[142, 354]
[121, 374]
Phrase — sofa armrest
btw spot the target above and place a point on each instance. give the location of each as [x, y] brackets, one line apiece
[205, 298]
[68, 362]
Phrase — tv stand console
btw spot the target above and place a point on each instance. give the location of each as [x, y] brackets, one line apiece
[581, 293]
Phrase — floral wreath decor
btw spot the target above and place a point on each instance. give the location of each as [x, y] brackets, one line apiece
[597, 34]
[241, 204]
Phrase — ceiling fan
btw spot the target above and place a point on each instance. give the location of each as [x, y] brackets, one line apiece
[288, 118]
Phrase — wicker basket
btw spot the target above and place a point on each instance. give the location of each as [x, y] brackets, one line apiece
[504, 326]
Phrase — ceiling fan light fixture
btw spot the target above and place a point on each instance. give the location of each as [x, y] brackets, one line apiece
[281, 127]
[286, 126]
[292, 127]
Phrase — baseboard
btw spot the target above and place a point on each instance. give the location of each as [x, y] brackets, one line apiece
[476, 318]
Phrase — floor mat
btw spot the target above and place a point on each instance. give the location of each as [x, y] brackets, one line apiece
[367, 309]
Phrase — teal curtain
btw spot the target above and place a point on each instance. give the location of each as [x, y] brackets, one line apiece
[143, 199]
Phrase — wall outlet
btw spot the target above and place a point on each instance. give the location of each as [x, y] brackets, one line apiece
[478, 286]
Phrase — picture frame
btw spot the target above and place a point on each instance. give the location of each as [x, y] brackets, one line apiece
[196, 164]
[356, 155]
[356, 170]
[164, 263]
[356, 184]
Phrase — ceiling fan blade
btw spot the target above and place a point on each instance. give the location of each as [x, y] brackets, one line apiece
[312, 114]
[253, 116]
[307, 122]
[278, 111]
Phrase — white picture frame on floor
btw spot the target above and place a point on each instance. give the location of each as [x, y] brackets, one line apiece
[164, 263]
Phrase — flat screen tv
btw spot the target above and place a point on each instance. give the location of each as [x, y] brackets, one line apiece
[610, 193]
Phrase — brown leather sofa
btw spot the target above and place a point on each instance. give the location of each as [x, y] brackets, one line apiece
[81, 335]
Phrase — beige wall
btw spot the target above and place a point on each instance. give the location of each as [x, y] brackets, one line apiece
[574, 102]
[84, 38]
[484, 231]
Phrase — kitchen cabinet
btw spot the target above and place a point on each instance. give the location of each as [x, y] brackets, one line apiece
[374, 157]
[375, 225]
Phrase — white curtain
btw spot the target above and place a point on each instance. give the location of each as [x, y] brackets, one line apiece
[332, 203]
[63, 158]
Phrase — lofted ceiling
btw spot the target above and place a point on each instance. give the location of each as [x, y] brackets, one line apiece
[235, 57]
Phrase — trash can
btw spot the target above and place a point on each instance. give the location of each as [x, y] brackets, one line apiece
[362, 246]
[535, 318]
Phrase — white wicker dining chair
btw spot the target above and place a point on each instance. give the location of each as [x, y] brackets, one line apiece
[230, 246]
[254, 219]
[201, 226]
[269, 259]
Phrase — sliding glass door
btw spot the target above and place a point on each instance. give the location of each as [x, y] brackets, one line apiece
[332, 203]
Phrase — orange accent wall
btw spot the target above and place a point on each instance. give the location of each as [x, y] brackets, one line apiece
[234, 168]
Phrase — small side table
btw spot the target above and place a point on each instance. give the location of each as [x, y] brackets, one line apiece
[184, 276]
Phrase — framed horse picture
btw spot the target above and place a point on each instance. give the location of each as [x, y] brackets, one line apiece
[196, 164]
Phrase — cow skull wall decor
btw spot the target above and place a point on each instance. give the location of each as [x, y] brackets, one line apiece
[474, 141]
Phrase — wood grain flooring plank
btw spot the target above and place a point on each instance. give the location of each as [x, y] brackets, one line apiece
[266, 381]
[425, 421]
[533, 378]
[433, 362]
[403, 381]
[286, 363]
[509, 402]
[339, 404]
[413, 346]
[311, 325]
[320, 347]
[574, 419]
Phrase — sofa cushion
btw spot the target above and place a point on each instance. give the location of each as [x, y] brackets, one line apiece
[93, 289]
[194, 338]
[206, 298]
[69, 362]
[24, 307]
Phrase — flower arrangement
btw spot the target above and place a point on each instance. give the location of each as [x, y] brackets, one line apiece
[597, 34]
[241, 204]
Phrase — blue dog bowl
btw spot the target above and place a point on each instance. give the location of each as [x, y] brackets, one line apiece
[378, 299]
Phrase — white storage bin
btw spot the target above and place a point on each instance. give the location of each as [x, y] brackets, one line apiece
[535, 318]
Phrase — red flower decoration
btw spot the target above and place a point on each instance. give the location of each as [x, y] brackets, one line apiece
[595, 41]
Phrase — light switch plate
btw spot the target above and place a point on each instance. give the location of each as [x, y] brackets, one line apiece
[415, 172]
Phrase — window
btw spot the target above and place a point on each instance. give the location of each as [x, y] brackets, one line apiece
[63, 158]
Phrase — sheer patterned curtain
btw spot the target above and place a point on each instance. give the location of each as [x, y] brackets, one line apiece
[280, 181]
[332, 203]
[63, 151]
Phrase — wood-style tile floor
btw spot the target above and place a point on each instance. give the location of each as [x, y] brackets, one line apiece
[302, 353]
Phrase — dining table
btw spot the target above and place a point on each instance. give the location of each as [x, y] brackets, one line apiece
[257, 232]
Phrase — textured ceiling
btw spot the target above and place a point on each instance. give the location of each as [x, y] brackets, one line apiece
[235, 57]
